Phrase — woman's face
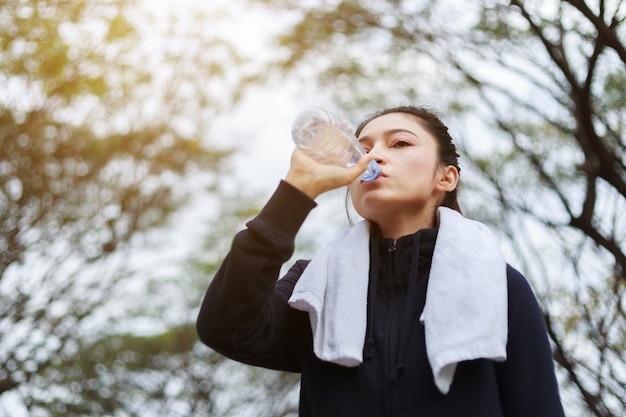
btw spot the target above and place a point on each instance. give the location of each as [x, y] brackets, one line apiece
[410, 180]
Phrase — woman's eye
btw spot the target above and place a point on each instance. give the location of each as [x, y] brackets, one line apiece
[401, 143]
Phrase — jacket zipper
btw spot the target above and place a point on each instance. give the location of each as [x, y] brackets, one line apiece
[388, 388]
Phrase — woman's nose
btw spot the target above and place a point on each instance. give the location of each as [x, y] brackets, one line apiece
[377, 154]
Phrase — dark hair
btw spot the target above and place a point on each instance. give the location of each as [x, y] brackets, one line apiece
[432, 123]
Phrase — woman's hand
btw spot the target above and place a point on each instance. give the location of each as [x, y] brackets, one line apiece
[314, 178]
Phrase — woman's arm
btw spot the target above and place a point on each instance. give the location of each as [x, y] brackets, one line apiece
[527, 381]
[245, 314]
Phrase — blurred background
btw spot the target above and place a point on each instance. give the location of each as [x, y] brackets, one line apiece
[138, 136]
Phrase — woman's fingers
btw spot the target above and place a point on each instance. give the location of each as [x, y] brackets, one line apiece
[314, 178]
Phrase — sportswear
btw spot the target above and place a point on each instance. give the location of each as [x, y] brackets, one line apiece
[245, 316]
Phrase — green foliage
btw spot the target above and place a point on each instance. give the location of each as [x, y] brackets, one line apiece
[162, 374]
[129, 375]
[98, 147]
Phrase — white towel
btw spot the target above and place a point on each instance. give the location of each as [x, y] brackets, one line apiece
[465, 315]
[333, 289]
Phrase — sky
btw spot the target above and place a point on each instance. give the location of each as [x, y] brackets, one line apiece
[260, 126]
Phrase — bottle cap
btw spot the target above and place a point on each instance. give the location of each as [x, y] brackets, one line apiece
[372, 172]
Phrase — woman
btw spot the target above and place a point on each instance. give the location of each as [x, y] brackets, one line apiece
[365, 321]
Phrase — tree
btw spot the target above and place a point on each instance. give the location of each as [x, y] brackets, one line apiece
[101, 129]
[534, 89]
[167, 372]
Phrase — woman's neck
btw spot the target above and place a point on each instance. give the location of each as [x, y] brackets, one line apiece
[395, 228]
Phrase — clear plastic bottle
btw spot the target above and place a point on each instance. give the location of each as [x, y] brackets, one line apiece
[329, 140]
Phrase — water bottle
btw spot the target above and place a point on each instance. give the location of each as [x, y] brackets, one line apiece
[329, 140]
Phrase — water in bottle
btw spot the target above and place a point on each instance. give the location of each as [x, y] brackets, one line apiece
[329, 140]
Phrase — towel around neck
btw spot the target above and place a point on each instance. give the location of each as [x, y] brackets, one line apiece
[465, 315]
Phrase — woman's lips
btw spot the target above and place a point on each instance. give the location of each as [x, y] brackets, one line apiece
[382, 175]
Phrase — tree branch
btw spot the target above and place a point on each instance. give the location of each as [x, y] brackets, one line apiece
[607, 33]
[561, 357]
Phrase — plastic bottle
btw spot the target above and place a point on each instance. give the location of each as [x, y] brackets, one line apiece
[329, 140]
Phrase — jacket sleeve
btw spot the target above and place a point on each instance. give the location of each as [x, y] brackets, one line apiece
[527, 380]
[244, 314]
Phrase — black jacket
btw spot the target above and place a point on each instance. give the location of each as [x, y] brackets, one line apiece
[246, 317]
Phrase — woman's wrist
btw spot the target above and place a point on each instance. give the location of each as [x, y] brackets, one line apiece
[303, 183]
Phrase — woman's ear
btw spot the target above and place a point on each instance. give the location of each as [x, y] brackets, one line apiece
[448, 178]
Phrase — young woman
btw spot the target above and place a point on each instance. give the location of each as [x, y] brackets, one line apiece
[412, 312]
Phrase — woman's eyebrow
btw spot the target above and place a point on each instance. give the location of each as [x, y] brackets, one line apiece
[394, 131]
[387, 133]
